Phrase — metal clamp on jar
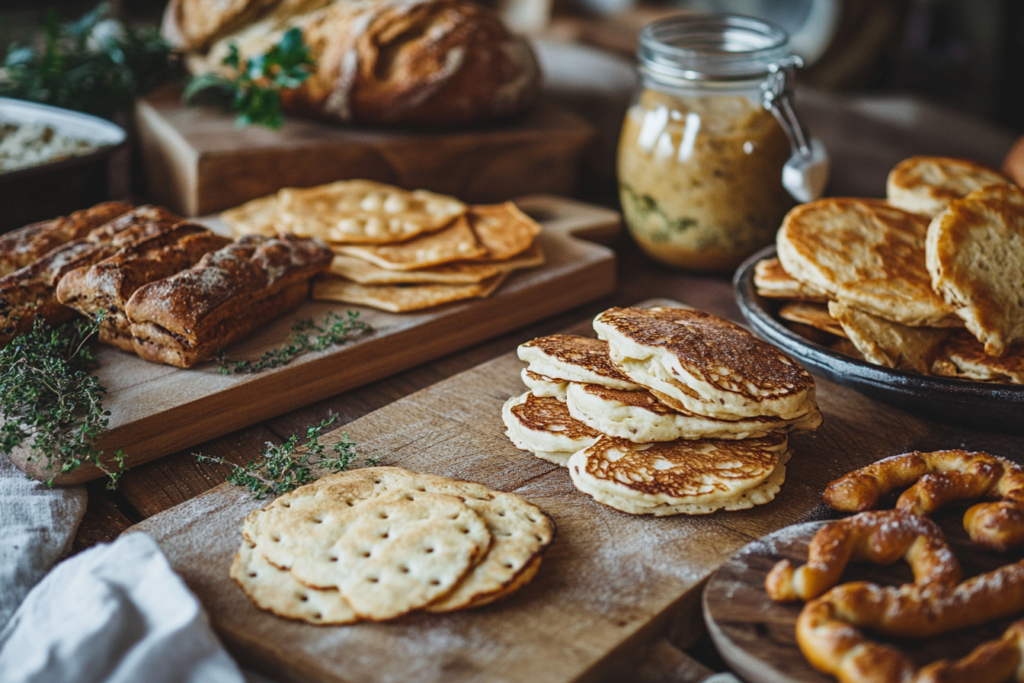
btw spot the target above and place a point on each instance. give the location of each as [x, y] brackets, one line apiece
[712, 153]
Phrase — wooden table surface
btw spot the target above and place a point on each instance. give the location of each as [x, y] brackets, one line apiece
[865, 136]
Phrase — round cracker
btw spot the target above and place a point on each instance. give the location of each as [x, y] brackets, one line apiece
[277, 591]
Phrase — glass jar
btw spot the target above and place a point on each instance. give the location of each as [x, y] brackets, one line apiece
[700, 156]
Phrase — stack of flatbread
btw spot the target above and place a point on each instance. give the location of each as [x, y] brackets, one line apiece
[395, 249]
[928, 281]
[671, 411]
[376, 543]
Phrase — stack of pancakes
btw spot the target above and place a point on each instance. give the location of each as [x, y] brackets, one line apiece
[398, 250]
[927, 281]
[671, 411]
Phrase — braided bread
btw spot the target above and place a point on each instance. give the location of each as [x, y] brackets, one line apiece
[939, 478]
[829, 636]
[881, 537]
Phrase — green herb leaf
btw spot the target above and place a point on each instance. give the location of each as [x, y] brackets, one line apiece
[255, 88]
[285, 467]
[336, 329]
[49, 401]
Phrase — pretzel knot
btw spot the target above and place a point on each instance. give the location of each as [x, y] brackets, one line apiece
[828, 629]
[939, 478]
[881, 537]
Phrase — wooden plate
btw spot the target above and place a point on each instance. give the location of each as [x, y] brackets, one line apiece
[757, 637]
[975, 404]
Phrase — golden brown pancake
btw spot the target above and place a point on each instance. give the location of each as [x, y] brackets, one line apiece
[890, 344]
[964, 357]
[710, 365]
[813, 314]
[772, 281]
[927, 185]
[545, 427]
[865, 254]
[976, 260]
[574, 358]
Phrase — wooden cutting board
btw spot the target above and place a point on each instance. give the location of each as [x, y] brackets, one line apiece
[198, 162]
[158, 409]
[757, 637]
[610, 583]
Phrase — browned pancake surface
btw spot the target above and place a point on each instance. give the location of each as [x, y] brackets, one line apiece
[551, 415]
[585, 352]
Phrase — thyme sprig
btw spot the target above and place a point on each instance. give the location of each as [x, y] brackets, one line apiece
[255, 86]
[335, 329]
[285, 467]
[49, 399]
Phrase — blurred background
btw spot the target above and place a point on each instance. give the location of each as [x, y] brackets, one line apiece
[965, 54]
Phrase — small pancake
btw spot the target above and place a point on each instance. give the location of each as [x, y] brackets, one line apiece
[544, 427]
[257, 217]
[691, 477]
[638, 416]
[503, 230]
[364, 212]
[976, 259]
[576, 359]
[461, 272]
[711, 366]
[813, 314]
[883, 342]
[926, 185]
[865, 254]
[400, 298]
[772, 281]
[964, 357]
[542, 386]
[455, 243]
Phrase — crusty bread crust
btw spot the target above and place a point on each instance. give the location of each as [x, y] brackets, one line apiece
[24, 246]
[394, 61]
[187, 317]
[108, 284]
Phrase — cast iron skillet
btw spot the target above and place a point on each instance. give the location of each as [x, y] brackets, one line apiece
[972, 404]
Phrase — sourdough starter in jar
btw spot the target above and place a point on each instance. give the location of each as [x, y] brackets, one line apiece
[700, 159]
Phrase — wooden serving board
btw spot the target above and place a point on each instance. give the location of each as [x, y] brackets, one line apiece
[609, 584]
[198, 162]
[158, 409]
[757, 637]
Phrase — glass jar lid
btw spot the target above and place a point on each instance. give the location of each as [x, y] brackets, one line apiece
[716, 47]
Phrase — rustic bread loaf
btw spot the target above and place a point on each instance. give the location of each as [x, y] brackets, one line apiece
[384, 61]
[186, 318]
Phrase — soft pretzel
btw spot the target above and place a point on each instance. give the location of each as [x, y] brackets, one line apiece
[882, 537]
[828, 629]
[939, 478]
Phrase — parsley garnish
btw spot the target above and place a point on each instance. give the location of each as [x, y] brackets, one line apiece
[284, 468]
[255, 88]
[341, 330]
[95, 64]
[49, 399]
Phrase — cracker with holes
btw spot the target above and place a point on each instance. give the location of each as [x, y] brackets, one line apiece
[385, 541]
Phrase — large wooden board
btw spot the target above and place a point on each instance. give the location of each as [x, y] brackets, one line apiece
[157, 409]
[610, 583]
[198, 162]
[757, 637]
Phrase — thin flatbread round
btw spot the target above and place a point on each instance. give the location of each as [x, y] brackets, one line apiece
[454, 243]
[544, 427]
[709, 365]
[277, 591]
[926, 185]
[364, 212]
[772, 281]
[401, 298]
[639, 416]
[867, 255]
[890, 344]
[699, 476]
[524, 577]
[256, 217]
[460, 272]
[812, 314]
[574, 358]
[975, 256]
[963, 356]
[503, 229]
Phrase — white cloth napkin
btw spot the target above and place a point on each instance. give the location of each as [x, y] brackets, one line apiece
[116, 613]
[37, 525]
